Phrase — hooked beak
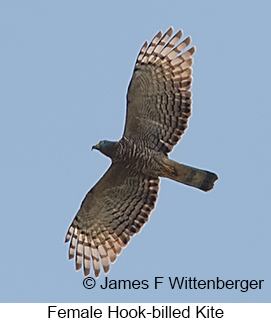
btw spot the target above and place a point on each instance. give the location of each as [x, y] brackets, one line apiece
[95, 147]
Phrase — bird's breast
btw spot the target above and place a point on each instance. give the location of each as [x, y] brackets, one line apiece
[135, 156]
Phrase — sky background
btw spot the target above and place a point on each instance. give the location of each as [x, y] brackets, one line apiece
[64, 70]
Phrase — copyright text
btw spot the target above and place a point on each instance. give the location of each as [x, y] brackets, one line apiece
[181, 283]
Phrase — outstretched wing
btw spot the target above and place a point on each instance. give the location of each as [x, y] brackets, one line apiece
[158, 98]
[113, 210]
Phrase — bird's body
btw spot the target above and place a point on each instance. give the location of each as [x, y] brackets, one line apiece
[158, 108]
[135, 157]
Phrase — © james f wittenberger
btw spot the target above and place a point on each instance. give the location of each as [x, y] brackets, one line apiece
[184, 283]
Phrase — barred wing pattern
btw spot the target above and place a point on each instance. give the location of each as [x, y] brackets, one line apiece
[158, 98]
[158, 108]
[113, 210]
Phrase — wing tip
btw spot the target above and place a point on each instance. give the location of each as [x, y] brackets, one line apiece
[169, 31]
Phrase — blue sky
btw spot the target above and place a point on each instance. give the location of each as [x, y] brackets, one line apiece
[65, 67]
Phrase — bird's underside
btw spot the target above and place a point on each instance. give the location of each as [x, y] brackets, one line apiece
[158, 107]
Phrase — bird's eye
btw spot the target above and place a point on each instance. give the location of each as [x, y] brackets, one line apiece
[101, 142]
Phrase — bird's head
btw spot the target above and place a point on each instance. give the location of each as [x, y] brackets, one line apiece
[106, 147]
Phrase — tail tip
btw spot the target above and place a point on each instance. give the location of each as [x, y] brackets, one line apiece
[209, 181]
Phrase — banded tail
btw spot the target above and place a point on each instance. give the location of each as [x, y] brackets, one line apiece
[201, 179]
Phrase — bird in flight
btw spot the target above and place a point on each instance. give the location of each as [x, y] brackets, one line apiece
[158, 107]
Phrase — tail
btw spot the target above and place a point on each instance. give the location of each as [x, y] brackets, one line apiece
[191, 176]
